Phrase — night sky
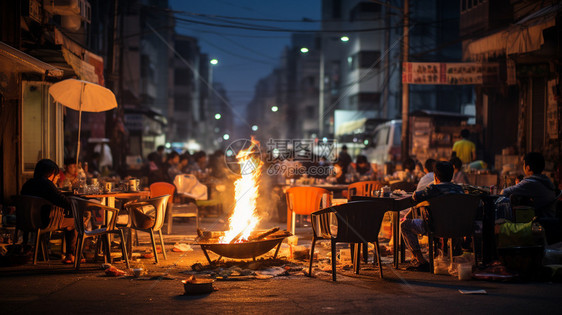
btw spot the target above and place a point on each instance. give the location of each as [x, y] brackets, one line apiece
[245, 55]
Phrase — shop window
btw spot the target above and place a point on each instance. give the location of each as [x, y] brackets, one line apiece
[42, 127]
[365, 60]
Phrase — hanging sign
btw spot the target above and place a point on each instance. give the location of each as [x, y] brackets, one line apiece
[459, 73]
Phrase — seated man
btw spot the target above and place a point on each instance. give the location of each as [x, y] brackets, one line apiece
[411, 228]
[535, 186]
[42, 185]
[428, 178]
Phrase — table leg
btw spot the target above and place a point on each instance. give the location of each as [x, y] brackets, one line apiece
[396, 236]
[402, 246]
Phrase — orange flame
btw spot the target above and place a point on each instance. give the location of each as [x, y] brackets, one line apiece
[244, 218]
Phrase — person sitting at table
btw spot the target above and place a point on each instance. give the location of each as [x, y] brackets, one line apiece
[68, 178]
[363, 168]
[42, 185]
[459, 177]
[183, 165]
[535, 186]
[428, 178]
[200, 165]
[152, 169]
[341, 174]
[170, 168]
[411, 228]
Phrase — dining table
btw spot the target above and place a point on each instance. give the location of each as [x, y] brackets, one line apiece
[108, 199]
[394, 204]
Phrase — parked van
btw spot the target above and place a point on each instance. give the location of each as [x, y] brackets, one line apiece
[384, 144]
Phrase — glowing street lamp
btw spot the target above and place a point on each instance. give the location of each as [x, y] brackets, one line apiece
[304, 50]
[214, 61]
[344, 39]
[226, 136]
[274, 108]
[218, 116]
[254, 128]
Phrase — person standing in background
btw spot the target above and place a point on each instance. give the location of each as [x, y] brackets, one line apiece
[344, 158]
[465, 149]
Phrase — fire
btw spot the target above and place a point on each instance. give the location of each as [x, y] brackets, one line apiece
[244, 218]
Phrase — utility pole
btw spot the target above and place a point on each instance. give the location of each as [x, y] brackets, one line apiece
[405, 91]
[321, 104]
[384, 113]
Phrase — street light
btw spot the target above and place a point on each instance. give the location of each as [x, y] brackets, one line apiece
[254, 128]
[344, 39]
[304, 50]
[214, 61]
[274, 108]
[218, 116]
[226, 136]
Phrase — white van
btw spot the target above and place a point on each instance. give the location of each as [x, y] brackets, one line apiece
[384, 144]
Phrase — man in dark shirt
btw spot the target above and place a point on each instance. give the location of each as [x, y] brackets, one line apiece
[535, 186]
[43, 185]
[411, 228]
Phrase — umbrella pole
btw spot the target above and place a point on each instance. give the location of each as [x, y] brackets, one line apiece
[79, 131]
[79, 123]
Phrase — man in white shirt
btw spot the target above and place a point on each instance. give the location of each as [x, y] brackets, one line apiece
[428, 178]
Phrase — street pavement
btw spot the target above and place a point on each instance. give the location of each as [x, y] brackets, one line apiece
[51, 287]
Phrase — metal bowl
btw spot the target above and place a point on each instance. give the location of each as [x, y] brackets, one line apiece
[242, 250]
[198, 286]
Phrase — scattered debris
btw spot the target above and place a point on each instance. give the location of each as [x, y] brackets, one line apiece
[113, 271]
[197, 267]
[182, 247]
[481, 291]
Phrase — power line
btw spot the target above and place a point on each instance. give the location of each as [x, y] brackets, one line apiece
[261, 28]
[236, 55]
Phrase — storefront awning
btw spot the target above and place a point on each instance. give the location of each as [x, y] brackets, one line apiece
[87, 65]
[520, 38]
[28, 62]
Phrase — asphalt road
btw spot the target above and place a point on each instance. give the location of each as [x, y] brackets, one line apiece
[55, 288]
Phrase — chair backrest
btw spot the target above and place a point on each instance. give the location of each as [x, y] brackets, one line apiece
[363, 188]
[404, 185]
[159, 204]
[34, 213]
[161, 188]
[453, 215]
[305, 200]
[80, 206]
[352, 222]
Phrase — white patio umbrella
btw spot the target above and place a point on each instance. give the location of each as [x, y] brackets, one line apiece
[82, 96]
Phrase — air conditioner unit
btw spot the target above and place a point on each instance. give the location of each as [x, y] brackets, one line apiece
[81, 8]
[62, 7]
[86, 11]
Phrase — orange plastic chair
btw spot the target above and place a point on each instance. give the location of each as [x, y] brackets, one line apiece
[304, 201]
[363, 188]
[162, 188]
